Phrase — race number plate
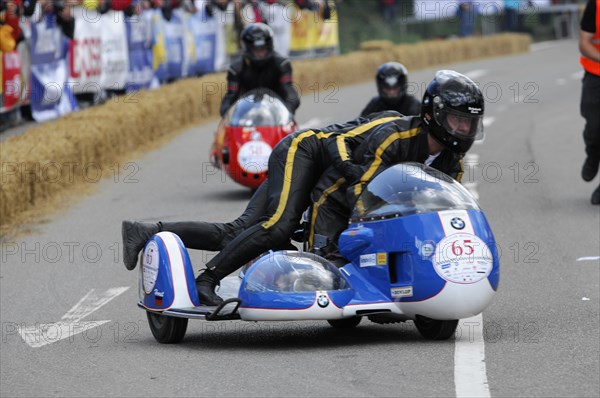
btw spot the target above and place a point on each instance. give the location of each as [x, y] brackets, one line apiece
[253, 157]
[150, 262]
[462, 258]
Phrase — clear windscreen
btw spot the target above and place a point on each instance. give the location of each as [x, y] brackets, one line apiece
[258, 108]
[410, 188]
[289, 271]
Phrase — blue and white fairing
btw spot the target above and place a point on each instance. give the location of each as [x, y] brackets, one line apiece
[419, 245]
[166, 274]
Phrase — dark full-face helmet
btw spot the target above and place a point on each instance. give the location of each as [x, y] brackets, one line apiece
[256, 41]
[392, 80]
[452, 109]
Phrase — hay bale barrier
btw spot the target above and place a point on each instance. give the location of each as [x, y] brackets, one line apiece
[57, 157]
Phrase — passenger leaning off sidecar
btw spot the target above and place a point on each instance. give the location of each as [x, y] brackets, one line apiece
[274, 211]
[260, 67]
[391, 80]
[451, 120]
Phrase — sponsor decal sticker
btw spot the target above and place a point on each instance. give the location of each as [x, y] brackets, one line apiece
[368, 260]
[373, 259]
[253, 156]
[404, 291]
[457, 223]
[158, 297]
[323, 300]
[427, 249]
[462, 258]
[150, 266]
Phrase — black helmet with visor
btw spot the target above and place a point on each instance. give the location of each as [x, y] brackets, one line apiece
[392, 80]
[453, 108]
[255, 38]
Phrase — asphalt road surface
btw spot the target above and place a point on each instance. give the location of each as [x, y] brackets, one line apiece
[71, 327]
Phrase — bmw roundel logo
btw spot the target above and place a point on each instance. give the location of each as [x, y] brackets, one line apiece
[323, 300]
[457, 223]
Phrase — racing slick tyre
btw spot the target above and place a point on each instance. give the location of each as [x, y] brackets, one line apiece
[345, 323]
[435, 330]
[167, 329]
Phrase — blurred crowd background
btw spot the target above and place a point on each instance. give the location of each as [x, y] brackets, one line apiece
[58, 56]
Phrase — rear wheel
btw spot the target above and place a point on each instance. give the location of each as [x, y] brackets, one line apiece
[167, 329]
[345, 323]
[433, 329]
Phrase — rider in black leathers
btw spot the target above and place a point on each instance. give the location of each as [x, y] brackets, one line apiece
[274, 211]
[294, 167]
[451, 120]
[260, 67]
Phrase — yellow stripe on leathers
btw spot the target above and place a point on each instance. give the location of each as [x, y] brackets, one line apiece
[377, 162]
[289, 165]
[357, 131]
[461, 172]
[336, 185]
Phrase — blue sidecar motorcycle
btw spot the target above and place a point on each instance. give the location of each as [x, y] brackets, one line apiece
[418, 245]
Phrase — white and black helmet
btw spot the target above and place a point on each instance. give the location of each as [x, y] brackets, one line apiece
[391, 75]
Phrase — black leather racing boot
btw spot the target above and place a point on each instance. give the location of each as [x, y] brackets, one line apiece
[596, 196]
[590, 168]
[135, 235]
[206, 283]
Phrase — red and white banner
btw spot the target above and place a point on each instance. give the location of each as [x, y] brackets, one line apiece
[85, 52]
[11, 80]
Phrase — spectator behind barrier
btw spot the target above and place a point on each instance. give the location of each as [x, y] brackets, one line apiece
[84, 69]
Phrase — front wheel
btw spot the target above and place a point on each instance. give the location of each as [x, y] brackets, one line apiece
[345, 323]
[435, 330]
[167, 329]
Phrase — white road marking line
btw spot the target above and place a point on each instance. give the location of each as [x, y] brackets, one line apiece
[471, 158]
[313, 123]
[90, 303]
[470, 375]
[70, 324]
[590, 258]
[543, 45]
[48, 333]
[477, 73]
[577, 75]
[501, 108]
[488, 121]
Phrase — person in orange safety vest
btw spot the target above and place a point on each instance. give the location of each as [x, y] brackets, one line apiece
[589, 46]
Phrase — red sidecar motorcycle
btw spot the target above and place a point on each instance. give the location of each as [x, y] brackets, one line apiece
[247, 134]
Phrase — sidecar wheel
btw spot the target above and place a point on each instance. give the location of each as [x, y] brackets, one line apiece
[345, 323]
[435, 330]
[167, 329]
